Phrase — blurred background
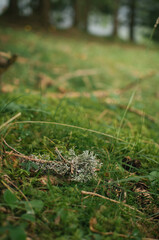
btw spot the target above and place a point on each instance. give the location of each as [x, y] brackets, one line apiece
[125, 19]
[79, 46]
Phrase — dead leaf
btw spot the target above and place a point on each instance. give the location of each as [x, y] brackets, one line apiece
[8, 88]
[57, 220]
[3, 210]
[22, 60]
[62, 90]
[44, 180]
[45, 81]
[92, 223]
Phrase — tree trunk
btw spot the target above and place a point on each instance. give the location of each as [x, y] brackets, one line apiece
[12, 10]
[45, 11]
[86, 14]
[81, 12]
[132, 20]
[115, 18]
[76, 13]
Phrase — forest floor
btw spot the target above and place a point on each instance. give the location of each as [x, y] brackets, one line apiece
[76, 93]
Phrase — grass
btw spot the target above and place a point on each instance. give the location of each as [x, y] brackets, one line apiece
[46, 206]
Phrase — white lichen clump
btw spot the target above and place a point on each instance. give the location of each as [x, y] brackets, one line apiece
[84, 166]
[80, 168]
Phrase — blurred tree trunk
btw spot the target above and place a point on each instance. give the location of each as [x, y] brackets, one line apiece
[81, 12]
[86, 14]
[132, 6]
[12, 10]
[45, 11]
[76, 13]
[115, 18]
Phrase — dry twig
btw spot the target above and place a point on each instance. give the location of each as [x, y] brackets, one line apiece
[131, 109]
[10, 147]
[7, 181]
[138, 112]
[111, 200]
[93, 222]
[22, 157]
[58, 152]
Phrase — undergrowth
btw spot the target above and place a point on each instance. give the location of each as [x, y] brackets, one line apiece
[122, 200]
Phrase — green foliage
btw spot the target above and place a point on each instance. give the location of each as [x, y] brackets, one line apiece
[10, 198]
[15, 233]
[154, 177]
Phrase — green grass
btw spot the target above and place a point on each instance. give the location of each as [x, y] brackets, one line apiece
[57, 209]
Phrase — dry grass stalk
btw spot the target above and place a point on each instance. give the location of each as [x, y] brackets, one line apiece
[10, 120]
[157, 23]
[70, 126]
[102, 114]
[7, 181]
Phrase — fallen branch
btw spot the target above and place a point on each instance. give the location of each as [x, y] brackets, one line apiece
[42, 164]
[139, 79]
[77, 73]
[79, 168]
[138, 112]
[130, 109]
[111, 200]
[97, 94]
[11, 147]
[22, 157]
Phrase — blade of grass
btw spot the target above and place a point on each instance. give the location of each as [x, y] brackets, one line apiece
[71, 126]
[126, 110]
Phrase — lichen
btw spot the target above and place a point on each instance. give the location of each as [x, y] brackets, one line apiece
[80, 168]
